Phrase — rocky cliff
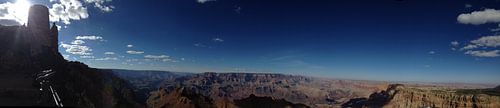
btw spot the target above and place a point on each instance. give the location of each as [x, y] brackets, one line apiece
[266, 102]
[179, 98]
[416, 98]
[144, 82]
[295, 89]
[399, 96]
[185, 98]
[33, 72]
[81, 86]
[26, 51]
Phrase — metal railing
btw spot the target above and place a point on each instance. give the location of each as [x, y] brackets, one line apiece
[43, 79]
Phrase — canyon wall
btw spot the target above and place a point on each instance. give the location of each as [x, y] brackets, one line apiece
[418, 98]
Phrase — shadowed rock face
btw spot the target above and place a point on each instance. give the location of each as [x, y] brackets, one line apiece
[266, 102]
[38, 18]
[26, 51]
[33, 47]
[377, 99]
[185, 98]
[180, 98]
[77, 84]
[81, 86]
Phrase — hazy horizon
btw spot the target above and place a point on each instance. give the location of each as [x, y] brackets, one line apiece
[393, 40]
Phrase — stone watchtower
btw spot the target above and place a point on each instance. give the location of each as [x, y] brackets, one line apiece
[38, 25]
[38, 19]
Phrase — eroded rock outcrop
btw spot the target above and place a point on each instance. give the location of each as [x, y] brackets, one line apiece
[84, 87]
[377, 99]
[266, 102]
[417, 98]
[185, 98]
[180, 98]
[295, 89]
[399, 96]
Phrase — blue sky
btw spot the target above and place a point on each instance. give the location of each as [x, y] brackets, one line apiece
[395, 40]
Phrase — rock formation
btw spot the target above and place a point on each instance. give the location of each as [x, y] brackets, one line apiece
[185, 98]
[398, 96]
[24, 52]
[375, 100]
[180, 98]
[144, 82]
[266, 102]
[38, 25]
[35, 44]
[417, 98]
[30, 62]
[295, 89]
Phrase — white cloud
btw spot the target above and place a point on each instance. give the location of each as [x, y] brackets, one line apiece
[88, 37]
[14, 12]
[485, 43]
[164, 58]
[78, 42]
[494, 53]
[65, 56]
[168, 60]
[495, 29]
[130, 46]
[204, 1]
[77, 49]
[488, 41]
[427, 66]
[217, 40]
[101, 5]
[109, 53]
[237, 9]
[468, 5]
[4, 9]
[432, 52]
[132, 60]
[107, 58]
[480, 17]
[156, 56]
[135, 52]
[199, 45]
[67, 10]
[455, 43]
[469, 47]
[64, 11]
[59, 27]
[87, 57]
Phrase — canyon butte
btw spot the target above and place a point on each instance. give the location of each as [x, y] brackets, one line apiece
[33, 73]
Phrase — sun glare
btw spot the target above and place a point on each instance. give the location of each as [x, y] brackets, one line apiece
[21, 10]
